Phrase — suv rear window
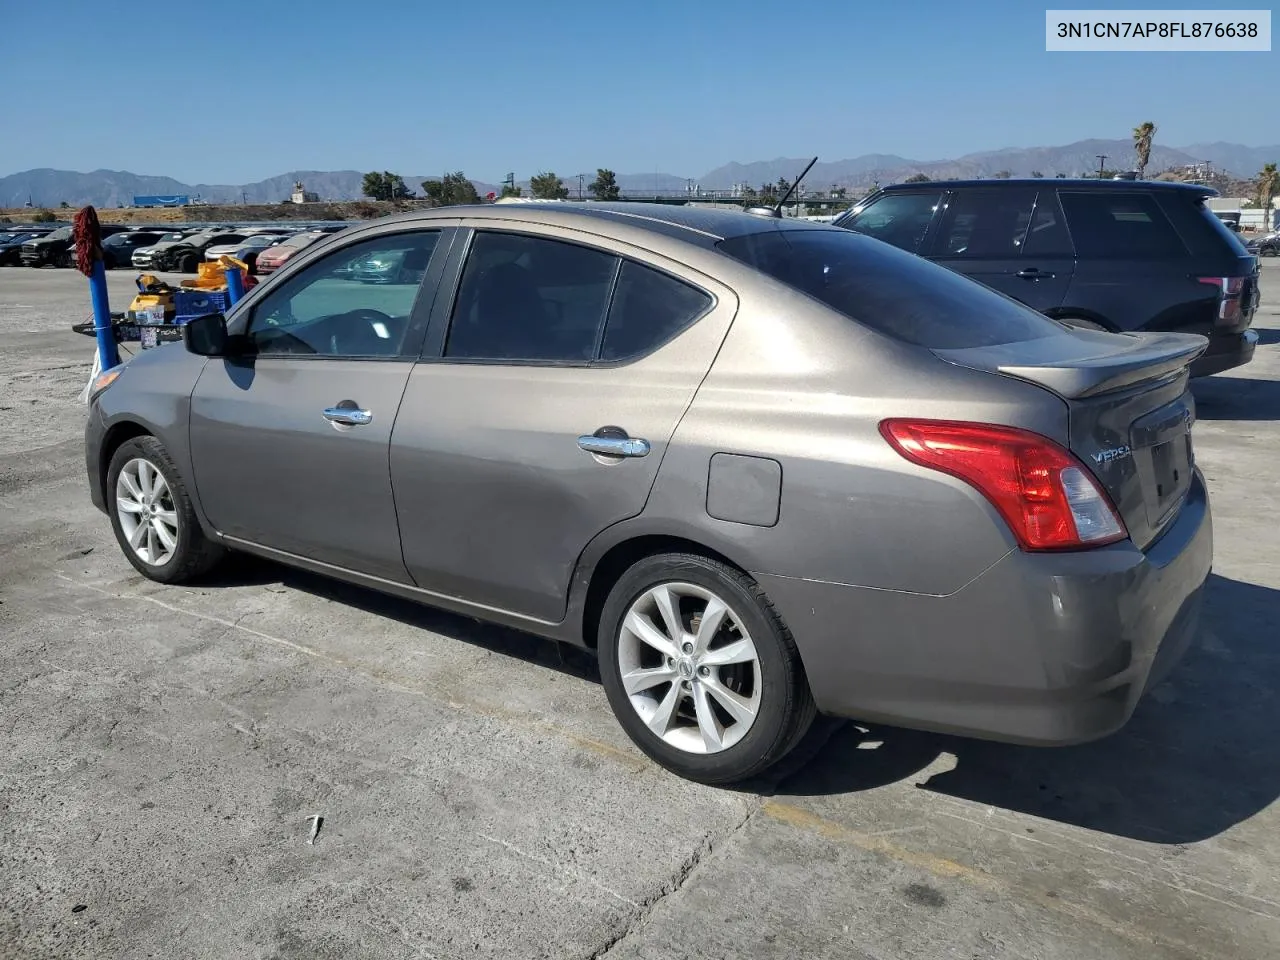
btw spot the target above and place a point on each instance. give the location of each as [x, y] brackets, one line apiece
[891, 291]
[1129, 226]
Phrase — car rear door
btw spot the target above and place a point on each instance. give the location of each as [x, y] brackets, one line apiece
[1012, 239]
[290, 444]
[1133, 270]
[549, 389]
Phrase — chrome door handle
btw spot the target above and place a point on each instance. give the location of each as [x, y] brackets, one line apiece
[615, 446]
[348, 416]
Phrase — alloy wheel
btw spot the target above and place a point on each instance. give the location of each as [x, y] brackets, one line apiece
[689, 667]
[145, 506]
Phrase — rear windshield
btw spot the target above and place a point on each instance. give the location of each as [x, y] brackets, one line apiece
[889, 290]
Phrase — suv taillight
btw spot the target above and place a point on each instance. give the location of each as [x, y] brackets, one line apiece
[1229, 291]
[1048, 498]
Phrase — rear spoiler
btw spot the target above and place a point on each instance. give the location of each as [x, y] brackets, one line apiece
[1085, 363]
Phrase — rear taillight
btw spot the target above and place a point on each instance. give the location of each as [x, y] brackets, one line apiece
[1048, 497]
[1229, 291]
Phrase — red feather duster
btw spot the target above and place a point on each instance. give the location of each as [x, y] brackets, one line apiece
[88, 237]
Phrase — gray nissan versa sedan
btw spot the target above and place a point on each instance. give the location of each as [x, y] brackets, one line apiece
[764, 467]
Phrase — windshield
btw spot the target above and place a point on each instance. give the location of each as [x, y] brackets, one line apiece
[260, 240]
[62, 233]
[882, 287]
[301, 240]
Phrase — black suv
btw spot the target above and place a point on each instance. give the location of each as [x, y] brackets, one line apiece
[1109, 254]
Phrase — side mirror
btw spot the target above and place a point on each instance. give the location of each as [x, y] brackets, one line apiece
[206, 336]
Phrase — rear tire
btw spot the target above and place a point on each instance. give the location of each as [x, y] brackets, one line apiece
[189, 264]
[718, 707]
[152, 515]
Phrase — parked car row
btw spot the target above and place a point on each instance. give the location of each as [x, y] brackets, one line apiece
[12, 239]
[158, 248]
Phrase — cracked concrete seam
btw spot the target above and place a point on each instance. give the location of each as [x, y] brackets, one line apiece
[679, 880]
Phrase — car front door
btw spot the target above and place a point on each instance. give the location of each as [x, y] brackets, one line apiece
[290, 442]
[550, 388]
[1011, 239]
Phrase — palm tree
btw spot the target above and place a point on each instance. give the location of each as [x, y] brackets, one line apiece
[1142, 137]
[1268, 179]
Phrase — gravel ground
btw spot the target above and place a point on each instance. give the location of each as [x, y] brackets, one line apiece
[164, 748]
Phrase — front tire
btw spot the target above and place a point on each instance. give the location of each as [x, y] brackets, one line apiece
[152, 515]
[700, 670]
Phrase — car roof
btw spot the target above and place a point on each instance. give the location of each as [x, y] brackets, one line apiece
[1075, 183]
[702, 226]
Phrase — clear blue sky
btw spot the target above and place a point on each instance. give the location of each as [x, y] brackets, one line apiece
[496, 86]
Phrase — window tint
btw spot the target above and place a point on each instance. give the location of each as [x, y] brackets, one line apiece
[354, 302]
[529, 298]
[1048, 235]
[893, 292]
[987, 224]
[648, 309]
[1129, 226]
[897, 218]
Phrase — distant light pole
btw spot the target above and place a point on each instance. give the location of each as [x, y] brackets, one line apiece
[1102, 160]
[581, 178]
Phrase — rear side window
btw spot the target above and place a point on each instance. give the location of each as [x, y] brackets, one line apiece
[901, 219]
[896, 293]
[985, 224]
[1122, 226]
[530, 298]
[1214, 225]
[648, 309]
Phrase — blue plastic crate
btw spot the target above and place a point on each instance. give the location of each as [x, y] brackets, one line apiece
[189, 304]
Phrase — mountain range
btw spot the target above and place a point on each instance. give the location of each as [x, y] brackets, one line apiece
[111, 188]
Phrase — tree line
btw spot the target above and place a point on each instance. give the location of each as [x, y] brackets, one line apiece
[454, 189]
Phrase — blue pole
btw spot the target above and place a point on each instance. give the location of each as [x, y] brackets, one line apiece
[235, 284]
[108, 351]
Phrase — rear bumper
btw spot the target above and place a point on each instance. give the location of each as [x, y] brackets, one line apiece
[1045, 649]
[1225, 351]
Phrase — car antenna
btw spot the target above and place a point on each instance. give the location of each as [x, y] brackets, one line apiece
[777, 211]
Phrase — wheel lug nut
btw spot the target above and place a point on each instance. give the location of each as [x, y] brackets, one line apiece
[704, 671]
[688, 648]
[686, 684]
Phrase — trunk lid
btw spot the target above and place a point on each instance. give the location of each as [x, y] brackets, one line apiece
[1130, 411]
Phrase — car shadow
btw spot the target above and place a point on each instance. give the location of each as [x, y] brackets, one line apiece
[244, 570]
[1236, 398]
[1267, 336]
[1197, 758]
